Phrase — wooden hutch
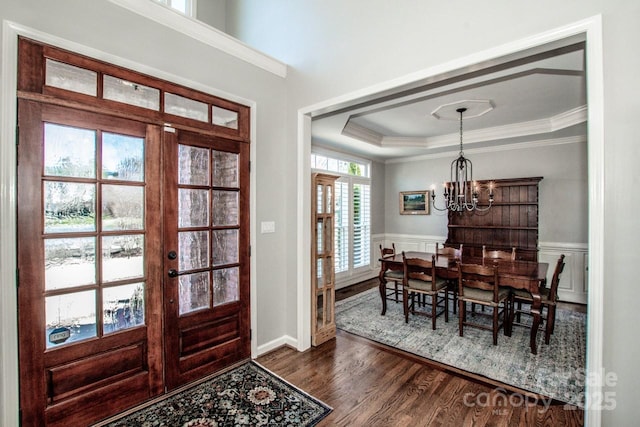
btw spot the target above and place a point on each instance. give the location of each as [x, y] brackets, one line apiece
[512, 220]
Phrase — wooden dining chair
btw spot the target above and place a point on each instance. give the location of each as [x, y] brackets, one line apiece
[480, 284]
[449, 250]
[549, 299]
[392, 277]
[495, 255]
[498, 255]
[452, 283]
[420, 278]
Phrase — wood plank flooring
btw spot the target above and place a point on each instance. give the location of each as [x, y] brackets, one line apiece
[369, 384]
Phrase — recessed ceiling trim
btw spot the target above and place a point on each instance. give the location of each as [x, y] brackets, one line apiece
[534, 127]
[569, 118]
[495, 148]
[362, 133]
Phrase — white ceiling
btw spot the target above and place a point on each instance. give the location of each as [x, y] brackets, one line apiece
[539, 98]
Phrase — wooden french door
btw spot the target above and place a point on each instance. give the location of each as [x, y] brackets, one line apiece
[132, 259]
[206, 251]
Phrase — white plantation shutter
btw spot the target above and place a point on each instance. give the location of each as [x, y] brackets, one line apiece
[342, 226]
[352, 211]
[361, 225]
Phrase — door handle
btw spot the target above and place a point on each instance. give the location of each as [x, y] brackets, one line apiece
[173, 273]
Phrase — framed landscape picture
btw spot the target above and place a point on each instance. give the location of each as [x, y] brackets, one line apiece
[414, 202]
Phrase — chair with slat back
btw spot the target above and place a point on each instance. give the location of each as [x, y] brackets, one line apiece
[449, 250]
[549, 299]
[480, 284]
[452, 283]
[420, 278]
[393, 277]
[498, 255]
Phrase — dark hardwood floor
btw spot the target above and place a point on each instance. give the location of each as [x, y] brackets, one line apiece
[369, 384]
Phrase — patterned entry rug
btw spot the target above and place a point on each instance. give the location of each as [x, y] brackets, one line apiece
[557, 371]
[246, 395]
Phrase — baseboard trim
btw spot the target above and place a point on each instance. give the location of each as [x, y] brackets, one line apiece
[284, 340]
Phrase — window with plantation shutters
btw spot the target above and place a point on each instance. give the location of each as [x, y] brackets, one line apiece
[341, 240]
[352, 211]
[361, 225]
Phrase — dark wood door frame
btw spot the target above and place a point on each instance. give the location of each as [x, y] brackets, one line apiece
[104, 395]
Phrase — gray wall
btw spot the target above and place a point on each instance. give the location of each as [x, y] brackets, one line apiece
[336, 47]
[378, 200]
[563, 191]
[213, 12]
[94, 23]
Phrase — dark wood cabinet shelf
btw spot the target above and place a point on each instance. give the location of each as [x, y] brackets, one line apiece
[508, 204]
[512, 220]
[495, 227]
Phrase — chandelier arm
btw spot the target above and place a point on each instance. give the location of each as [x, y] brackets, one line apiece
[487, 208]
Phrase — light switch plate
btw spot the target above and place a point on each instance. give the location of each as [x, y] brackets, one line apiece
[268, 227]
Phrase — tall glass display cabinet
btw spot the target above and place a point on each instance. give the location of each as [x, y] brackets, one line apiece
[323, 322]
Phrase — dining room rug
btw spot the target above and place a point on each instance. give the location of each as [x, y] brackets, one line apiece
[245, 395]
[557, 371]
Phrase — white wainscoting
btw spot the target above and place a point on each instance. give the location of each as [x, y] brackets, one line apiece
[573, 284]
[573, 281]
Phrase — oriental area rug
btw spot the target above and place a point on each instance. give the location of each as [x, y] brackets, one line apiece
[246, 395]
[557, 371]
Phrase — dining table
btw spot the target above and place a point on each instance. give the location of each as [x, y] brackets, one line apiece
[517, 274]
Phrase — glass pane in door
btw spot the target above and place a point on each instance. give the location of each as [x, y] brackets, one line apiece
[69, 262]
[225, 208]
[122, 257]
[225, 169]
[225, 286]
[122, 157]
[193, 165]
[193, 247]
[193, 207]
[70, 318]
[225, 247]
[69, 207]
[69, 151]
[122, 207]
[123, 307]
[193, 291]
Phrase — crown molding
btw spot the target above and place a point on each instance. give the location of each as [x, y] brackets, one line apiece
[362, 133]
[534, 127]
[203, 33]
[496, 148]
[569, 118]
